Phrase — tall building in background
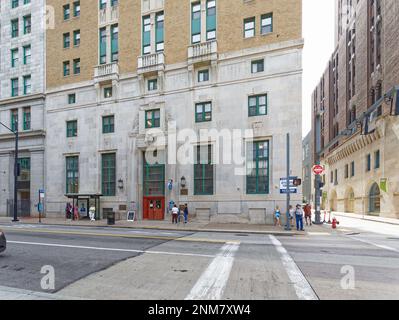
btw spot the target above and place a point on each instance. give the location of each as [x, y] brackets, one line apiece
[307, 166]
[355, 111]
[117, 70]
[22, 52]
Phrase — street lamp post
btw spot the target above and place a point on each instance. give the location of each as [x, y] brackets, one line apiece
[15, 169]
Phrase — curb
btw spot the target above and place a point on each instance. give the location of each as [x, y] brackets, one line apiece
[367, 219]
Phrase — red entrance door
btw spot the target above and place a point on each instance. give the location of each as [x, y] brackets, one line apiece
[154, 208]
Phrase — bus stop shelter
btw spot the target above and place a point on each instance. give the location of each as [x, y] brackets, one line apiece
[89, 199]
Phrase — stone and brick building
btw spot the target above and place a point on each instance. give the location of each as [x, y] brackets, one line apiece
[355, 111]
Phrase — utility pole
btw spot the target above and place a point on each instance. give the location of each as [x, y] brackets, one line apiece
[15, 168]
[288, 225]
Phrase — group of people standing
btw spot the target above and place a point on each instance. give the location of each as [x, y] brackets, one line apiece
[298, 214]
[74, 213]
[178, 213]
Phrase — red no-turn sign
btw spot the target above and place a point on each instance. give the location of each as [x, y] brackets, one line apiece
[318, 169]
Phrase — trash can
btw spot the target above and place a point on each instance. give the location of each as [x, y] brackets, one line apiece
[111, 218]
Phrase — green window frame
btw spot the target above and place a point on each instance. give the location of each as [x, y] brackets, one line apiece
[249, 27]
[103, 45]
[76, 38]
[14, 87]
[203, 171]
[154, 179]
[368, 163]
[26, 1]
[153, 118]
[67, 12]
[14, 57]
[66, 68]
[211, 20]
[266, 23]
[257, 105]
[27, 80]
[27, 119]
[114, 3]
[203, 112]
[108, 124]
[24, 169]
[258, 66]
[14, 3]
[196, 22]
[72, 129]
[66, 40]
[377, 160]
[203, 75]
[152, 84]
[108, 92]
[258, 167]
[27, 54]
[76, 66]
[72, 175]
[114, 43]
[159, 31]
[352, 168]
[27, 24]
[102, 4]
[76, 9]
[71, 98]
[146, 35]
[14, 28]
[108, 176]
[14, 119]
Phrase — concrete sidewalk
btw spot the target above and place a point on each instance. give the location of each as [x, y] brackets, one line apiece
[7, 293]
[366, 217]
[192, 226]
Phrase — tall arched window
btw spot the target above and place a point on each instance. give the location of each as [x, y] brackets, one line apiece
[375, 199]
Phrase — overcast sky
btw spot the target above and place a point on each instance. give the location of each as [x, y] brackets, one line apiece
[318, 31]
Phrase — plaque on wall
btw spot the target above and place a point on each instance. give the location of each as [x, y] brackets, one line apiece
[184, 192]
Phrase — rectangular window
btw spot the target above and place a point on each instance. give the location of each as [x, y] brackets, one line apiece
[196, 22]
[27, 119]
[76, 38]
[108, 174]
[353, 169]
[14, 3]
[249, 27]
[257, 105]
[71, 98]
[14, 58]
[203, 75]
[258, 167]
[346, 171]
[114, 43]
[14, 87]
[368, 162]
[211, 20]
[203, 112]
[14, 28]
[336, 177]
[67, 12]
[76, 9]
[108, 124]
[203, 171]
[103, 46]
[66, 68]
[331, 177]
[266, 23]
[27, 54]
[26, 1]
[76, 66]
[108, 92]
[27, 24]
[27, 84]
[72, 175]
[67, 40]
[72, 128]
[377, 159]
[152, 84]
[153, 118]
[103, 4]
[14, 119]
[146, 35]
[24, 166]
[159, 31]
[154, 179]
[258, 66]
[114, 3]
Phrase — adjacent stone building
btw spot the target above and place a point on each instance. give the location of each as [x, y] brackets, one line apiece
[355, 111]
[22, 52]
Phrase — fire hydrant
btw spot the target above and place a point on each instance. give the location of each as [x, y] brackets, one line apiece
[334, 223]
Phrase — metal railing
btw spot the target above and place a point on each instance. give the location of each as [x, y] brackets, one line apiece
[23, 208]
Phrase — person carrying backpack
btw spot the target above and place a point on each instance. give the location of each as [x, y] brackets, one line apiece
[299, 218]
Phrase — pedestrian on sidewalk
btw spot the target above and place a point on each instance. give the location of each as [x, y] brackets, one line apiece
[76, 213]
[185, 213]
[308, 214]
[277, 215]
[299, 218]
[291, 213]
[92, 211]
[175, 213]
[68, 211]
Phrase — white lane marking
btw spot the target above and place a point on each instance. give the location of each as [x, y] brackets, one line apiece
[374, 244]
[211, 284]
[319, 234]
[112, 249]
[302, 287]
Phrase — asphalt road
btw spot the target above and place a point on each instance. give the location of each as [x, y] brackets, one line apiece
[103, 263]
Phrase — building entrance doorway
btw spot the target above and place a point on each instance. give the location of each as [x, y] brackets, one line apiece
[154, 208]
